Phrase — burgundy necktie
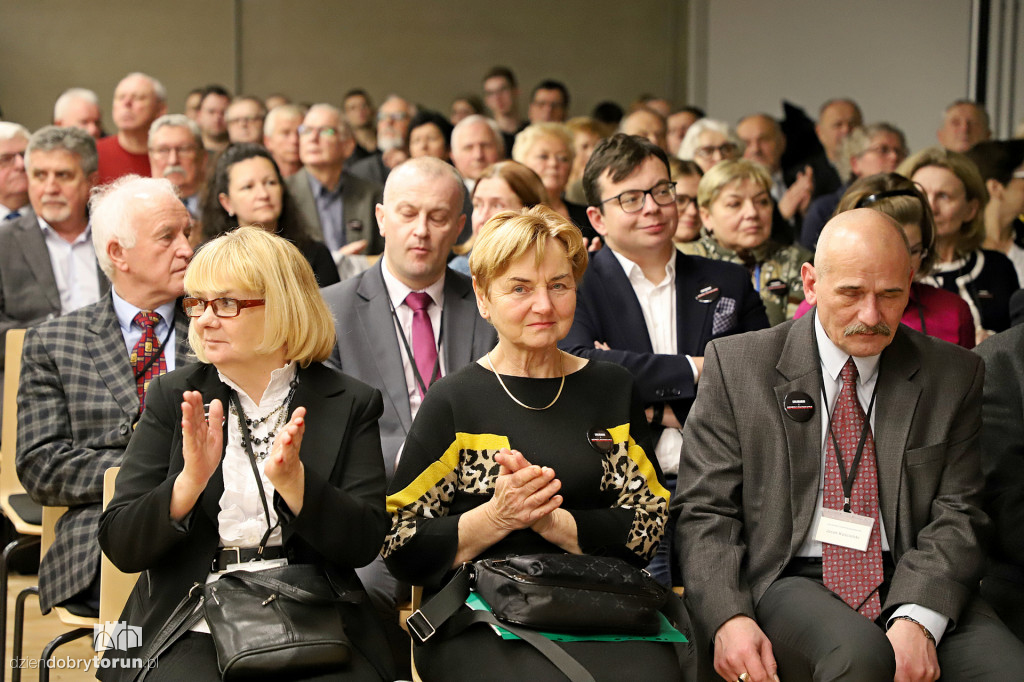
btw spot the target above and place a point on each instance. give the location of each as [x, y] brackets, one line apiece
[853, 575]
[146, 347]
[424, 348]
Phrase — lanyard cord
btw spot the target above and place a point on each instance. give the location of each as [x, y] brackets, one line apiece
[847, 480]
[408, 351]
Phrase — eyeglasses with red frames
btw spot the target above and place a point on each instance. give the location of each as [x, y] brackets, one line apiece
[222, 307]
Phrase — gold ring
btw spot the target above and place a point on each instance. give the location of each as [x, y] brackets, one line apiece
[744, 677]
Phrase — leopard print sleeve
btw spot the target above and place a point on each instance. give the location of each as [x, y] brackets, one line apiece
[631, 474]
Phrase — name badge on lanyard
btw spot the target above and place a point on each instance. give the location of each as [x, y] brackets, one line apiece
[844, 529]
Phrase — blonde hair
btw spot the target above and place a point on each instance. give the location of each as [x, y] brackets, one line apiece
[531, 134]
[972, 232]
[726, 173]
[253, 260]
[507, 236]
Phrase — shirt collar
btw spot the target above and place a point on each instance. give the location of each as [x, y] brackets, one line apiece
[276, 391]
[50, 232]
[318, 188]
[126, 312]
[4, 210]
[635, 273]
[834, 358]
[397, 291]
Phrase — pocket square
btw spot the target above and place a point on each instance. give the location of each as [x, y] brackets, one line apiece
[725, 315]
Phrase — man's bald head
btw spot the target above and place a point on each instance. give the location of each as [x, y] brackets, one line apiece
[861, 228]
[860, 280]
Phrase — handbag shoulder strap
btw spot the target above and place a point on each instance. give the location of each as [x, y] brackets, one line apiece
[558, 656]
[185, 616]
[445, 605]
[291, 591]
[431, 616]
[247, 444]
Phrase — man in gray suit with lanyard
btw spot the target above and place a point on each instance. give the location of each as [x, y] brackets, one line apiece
[84, 374]
[830, 484]
[409, 319]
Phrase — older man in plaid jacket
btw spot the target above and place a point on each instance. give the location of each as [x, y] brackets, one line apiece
[84, 374]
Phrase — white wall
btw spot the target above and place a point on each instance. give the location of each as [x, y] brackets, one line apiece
[903, 62]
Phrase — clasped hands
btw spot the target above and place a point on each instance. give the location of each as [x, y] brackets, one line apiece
[525, 495]
[203, 448]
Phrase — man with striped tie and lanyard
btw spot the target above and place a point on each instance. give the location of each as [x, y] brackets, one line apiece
[84, 375]
[830, 485]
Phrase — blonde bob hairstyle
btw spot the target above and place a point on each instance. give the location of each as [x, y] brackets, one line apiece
[251, 260]
[531, 134]
[726, 173]
[509, 235]
[972, 232]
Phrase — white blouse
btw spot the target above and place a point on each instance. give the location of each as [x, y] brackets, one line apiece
[241, 521]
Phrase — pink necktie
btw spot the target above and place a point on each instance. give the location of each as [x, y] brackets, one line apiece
[424, 348]
[853, 575]
[146, 347]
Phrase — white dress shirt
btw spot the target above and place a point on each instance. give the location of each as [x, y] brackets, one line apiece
[74, 268]
[658, 303]
[397, 293]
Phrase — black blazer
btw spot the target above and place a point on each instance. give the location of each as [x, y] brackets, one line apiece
[342, 522]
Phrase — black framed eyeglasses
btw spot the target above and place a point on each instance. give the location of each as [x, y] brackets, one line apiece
[222, 307]
[632, 200]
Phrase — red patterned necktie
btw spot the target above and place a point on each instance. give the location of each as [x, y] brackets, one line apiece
[146, 347]
[424, 347]
[853, 575]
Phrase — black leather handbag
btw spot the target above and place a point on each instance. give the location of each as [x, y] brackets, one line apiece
[571, 593]
[279, 621]
[575, 593]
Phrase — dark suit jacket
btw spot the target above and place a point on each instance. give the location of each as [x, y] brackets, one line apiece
[342, 522]
[752, 473]
[77, 404]
[368, 346]
[28, 289]
[607, 310]
[359, 199]
[1002, 439]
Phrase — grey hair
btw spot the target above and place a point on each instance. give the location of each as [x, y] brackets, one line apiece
[69, 96]
[177, 121]
[342, 123]
[10, 130]
[158, 88]
[277, 112]
[113, 212]
[73, 140]
[688, 147]
[858, 141]
[479, 118]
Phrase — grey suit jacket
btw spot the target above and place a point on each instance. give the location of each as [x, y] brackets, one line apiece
[368, 346]
[28, 289]
[77, 406]
[359, 199]
[748, 475]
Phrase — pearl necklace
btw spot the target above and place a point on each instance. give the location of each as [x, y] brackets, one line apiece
[520, 403]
